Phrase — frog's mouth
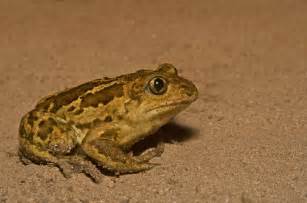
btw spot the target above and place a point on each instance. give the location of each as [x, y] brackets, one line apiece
[177, 106]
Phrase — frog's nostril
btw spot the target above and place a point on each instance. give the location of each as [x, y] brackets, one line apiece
[189, 90]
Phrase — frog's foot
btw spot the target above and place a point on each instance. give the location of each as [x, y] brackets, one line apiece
[24, 160]
[109, 156]
[65, 167]
[32, 153]
[71, 165]
[150, 153]
[81, 165]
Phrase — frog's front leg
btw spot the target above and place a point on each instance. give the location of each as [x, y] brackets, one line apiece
[100, 146]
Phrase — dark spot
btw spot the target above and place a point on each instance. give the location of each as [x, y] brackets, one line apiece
[70, 123]
[136, 91]
[108, 119]
[49, 122]
[84, 125]
[42, 135]
[71, 108]
[79, 111]
[97, 122]
[68, 96]
[95, 99]
[45, 128]
[32, 117]
[22, 131]
[44, 104]
[64, 128]
[30, 136]
[103, 96]
[189, 93]
[91, 124]
[109, 133]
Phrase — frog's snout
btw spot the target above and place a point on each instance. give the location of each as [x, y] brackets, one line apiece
[190, 91]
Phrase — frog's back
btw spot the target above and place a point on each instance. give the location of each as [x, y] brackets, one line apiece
[54, 102]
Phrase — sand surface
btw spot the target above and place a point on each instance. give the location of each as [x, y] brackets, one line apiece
[244, 139]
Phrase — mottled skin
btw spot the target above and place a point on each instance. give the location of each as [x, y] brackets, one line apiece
[101, 120]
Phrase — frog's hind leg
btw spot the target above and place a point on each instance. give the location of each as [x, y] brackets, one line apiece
[67, 164]
[30, 153]
[48, 132]
[44, 138]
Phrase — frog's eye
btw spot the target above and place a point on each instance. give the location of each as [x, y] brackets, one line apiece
[158, 85]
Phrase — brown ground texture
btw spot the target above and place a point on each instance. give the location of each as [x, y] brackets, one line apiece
[244, 139]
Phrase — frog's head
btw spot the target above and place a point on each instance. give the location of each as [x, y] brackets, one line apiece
[160, 94]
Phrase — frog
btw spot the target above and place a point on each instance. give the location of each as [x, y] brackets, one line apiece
[94, 125]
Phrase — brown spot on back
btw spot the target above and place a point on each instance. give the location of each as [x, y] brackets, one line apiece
[136, 91]
[71, 108]
[79, 111]
[96, 122]
[27, 119]
[84, 125]
[119, 117]
[108, 119]
[24, 134]
[103, 96]
[22, 131]
[45, 128]
[32, 117]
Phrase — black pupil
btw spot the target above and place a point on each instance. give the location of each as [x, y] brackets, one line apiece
[158, 84]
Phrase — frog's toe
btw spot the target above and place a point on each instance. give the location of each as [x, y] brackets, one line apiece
[66, 168]
[136, 167]
[90, 169]
[150, 154]
[25, 161]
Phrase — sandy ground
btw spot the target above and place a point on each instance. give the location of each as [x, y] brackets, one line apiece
[244, 140]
